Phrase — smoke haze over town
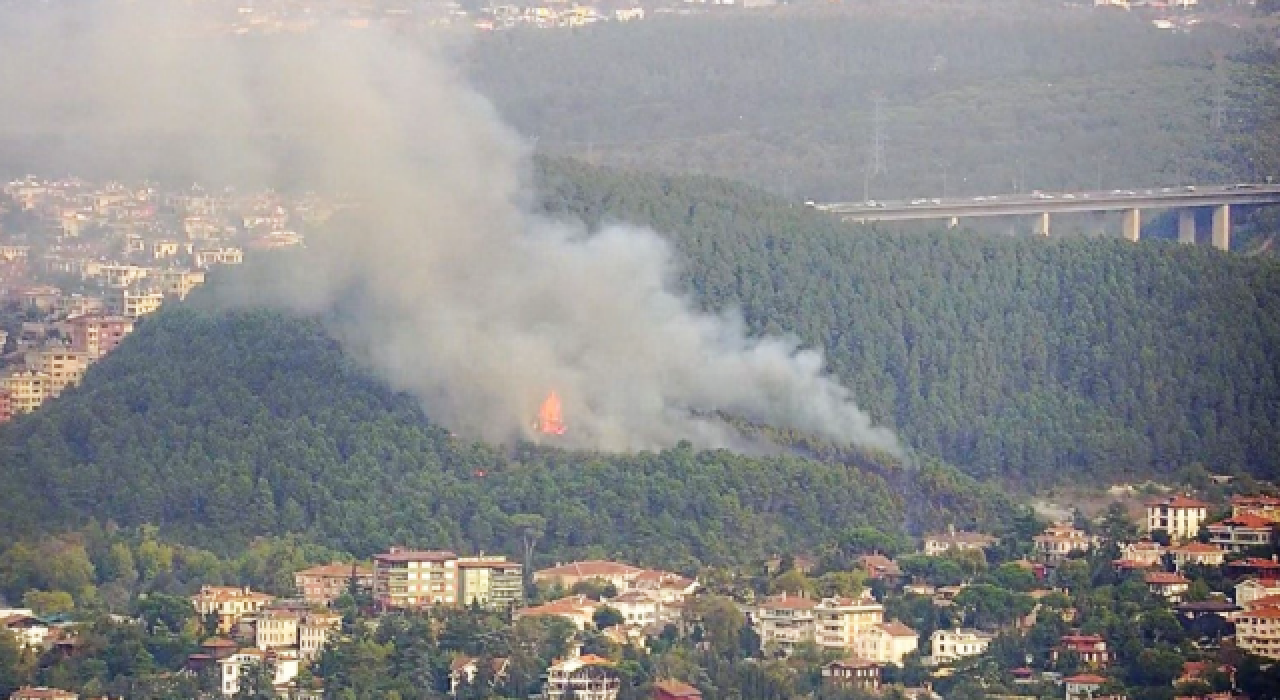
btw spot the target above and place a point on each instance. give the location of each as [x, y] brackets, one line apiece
[443, 279]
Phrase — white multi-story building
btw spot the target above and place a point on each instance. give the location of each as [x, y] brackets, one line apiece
[1180, 516]
[840, 623]
[785, 621]
[585, 677]
[409, 579]
[955, 644]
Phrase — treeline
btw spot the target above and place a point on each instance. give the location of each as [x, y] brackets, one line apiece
[1026, 360]
[1018, 98]
[219, 428]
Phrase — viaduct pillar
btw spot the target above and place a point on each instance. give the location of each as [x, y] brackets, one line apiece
[1132, 224]
[1221, 237]
[1187, 226]
[1042, 224]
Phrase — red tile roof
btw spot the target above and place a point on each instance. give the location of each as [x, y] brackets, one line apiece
[1164, 578]
[588, 570]
[1084, 678]
[1178, 501]
[1198, 548]
[897, 629]
[677, 689]
[1255, 563]
[1246, 520]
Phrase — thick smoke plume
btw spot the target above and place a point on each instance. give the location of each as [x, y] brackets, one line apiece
[443, 280]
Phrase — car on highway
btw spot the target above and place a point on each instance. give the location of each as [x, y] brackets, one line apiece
[935, 200]
[1068, 196]
[1242, 186]
[918, 202]
[1189, 188]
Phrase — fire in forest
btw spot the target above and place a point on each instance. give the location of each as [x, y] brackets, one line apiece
[550, 416]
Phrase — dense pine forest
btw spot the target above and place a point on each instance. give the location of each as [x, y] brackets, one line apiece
[1023, 359]
[222, 427]
[1025, 97]
[1026, 361]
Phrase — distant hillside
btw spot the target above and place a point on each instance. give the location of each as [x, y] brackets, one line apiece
[222, 427]
[1018, 358]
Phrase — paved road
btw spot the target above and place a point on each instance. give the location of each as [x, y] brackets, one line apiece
[1054, 202]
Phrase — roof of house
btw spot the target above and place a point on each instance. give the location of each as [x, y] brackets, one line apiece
[633, 597]
[589, 569]
[336, 569]
[1178, 501]
[879, 561]
[678, 689]
[400, 555]
[1164, 578]
[44, 693]
[1255, 563]
[218, 643]
[1244, 520]
[896, 629]
[788, 602]
[1197, 548]
[1269, 613]
[854, 662]
[961, 537]
[1086, 679]
[1256, 500]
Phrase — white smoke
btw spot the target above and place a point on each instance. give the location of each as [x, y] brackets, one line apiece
[450, 286]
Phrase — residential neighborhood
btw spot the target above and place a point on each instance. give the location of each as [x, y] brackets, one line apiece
[905, 624]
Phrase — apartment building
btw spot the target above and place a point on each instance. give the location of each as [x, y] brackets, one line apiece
[219, 256]
[120, 276]
[491, 582]
[951, 645]
[584, 677]
[303, 631]
[178, 284]
[98, 335]
[79, 305]
[1242, 532]
[842, 622]
[133, 304]
[785, 622]
[27, 390]
[1143, 553]
[410, 579]
[1258, 631]
[1060, 540]
[321, 585]
[1258, 505]
[230, 603]
[1180, 516]
[888, 643]
[63, 367]
[859, 674]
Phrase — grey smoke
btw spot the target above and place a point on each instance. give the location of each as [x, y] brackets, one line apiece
[452, 287]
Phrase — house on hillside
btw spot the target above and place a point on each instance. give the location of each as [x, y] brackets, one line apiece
[1242, 532]
[1180, 516]
[584, 677]
[671, 689]
[1172, 587]
[935, 545]
[1197, 554]
[853, 673]
[464, 669]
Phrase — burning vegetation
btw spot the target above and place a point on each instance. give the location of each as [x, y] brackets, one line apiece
[550, 416]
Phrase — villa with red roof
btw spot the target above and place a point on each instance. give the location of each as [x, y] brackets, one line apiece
[1252, 589]
[1084, 686]
[1091, 648]
[671, 689]
[1241, 532]
[1197, 554]
[1167, 585]
[575, 572]
[1262, 506]
[1180, 516]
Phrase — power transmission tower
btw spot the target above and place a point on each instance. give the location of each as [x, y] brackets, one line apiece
[876, 160]
[1218, 121]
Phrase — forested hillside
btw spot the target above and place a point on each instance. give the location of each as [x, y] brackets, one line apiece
[1015, 98]
[222, 427]
[1023, 359]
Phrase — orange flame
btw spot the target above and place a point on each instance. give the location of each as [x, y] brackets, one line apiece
[550, 418]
